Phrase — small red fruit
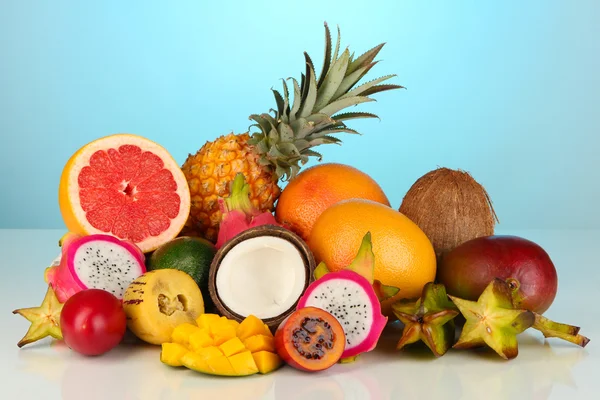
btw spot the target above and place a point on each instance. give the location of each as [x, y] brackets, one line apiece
[310, 339]
[93, 322]
[524, 265]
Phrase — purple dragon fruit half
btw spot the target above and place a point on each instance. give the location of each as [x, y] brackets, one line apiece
[95, 261]
[351, 299]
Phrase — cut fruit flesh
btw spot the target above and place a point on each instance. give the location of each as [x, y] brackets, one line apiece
[262, 276]
[266, 361]
[126, 186]
[338, 307]
[251, 326]
[182, 333]
[243, 363]
[232, 357]
[351, 299]
[117, 263]
[172, 353]
[159, 301]
[310, 339]
[260, 343]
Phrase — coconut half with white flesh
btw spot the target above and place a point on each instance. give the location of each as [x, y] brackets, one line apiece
[262, 271]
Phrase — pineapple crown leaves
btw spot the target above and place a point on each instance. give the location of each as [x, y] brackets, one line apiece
[308, 112]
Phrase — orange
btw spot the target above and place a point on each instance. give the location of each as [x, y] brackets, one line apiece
[126, 186]
[315, 189]
[404, 256]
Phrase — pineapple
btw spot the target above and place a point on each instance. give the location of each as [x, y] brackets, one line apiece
[281, 143]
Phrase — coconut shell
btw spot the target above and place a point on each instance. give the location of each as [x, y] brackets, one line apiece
[450, 207]
[264, 230]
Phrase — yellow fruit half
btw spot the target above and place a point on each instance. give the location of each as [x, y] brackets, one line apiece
[126, 186]
[159, 301]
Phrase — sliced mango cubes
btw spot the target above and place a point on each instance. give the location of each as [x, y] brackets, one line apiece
[218, 346]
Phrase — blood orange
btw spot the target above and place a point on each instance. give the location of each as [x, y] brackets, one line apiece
[126, 186]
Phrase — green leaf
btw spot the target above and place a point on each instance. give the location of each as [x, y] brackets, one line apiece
[273, 137]
[281, 172]
[344, 103]
[301, 128]
[303, 87]
[380, 88]
[286, 134]
[297, 100]
[262, 146]
[365, 59]
[353, 115]
[286, 102]
[279, 101]
[311, 95]
[301, 144]
[320, 121]
[358, 91]
[337, 45]
[274, 153]
[332, 80]
[295, 171]
[265, 127]
[326, 57]
[312, 153]
[272, 121]
[349, 81]
[339, 130]
[288, 149]
[324, 140]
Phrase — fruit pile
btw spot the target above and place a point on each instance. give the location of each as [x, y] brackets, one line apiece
[230, 275]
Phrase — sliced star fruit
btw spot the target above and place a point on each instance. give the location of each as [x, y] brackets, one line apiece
[45, 319]
[492, 320]
[429, 319]
[364, 265]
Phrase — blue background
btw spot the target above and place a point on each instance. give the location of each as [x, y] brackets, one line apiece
[509, 91]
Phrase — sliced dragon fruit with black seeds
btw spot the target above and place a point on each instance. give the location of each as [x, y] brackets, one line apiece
[351, 299]
[95, 261]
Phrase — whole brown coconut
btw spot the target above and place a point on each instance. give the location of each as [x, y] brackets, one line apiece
[450, 207]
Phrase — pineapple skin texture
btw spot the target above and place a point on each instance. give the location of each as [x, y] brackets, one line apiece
[209, 172]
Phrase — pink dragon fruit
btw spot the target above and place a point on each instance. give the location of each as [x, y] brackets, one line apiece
[352, 300]
[238, 212]
[94, 261]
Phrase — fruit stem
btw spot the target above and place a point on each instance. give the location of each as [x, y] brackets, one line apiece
[558, 330]
[239, 196]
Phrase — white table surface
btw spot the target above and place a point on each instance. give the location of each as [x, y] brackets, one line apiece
[550, 369]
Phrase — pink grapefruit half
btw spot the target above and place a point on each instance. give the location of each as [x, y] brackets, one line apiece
[126, 186]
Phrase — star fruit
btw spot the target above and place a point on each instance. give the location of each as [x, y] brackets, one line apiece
[428, 319]
[492, 320]
[364, 265]
[558, 330]
[45, 319]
